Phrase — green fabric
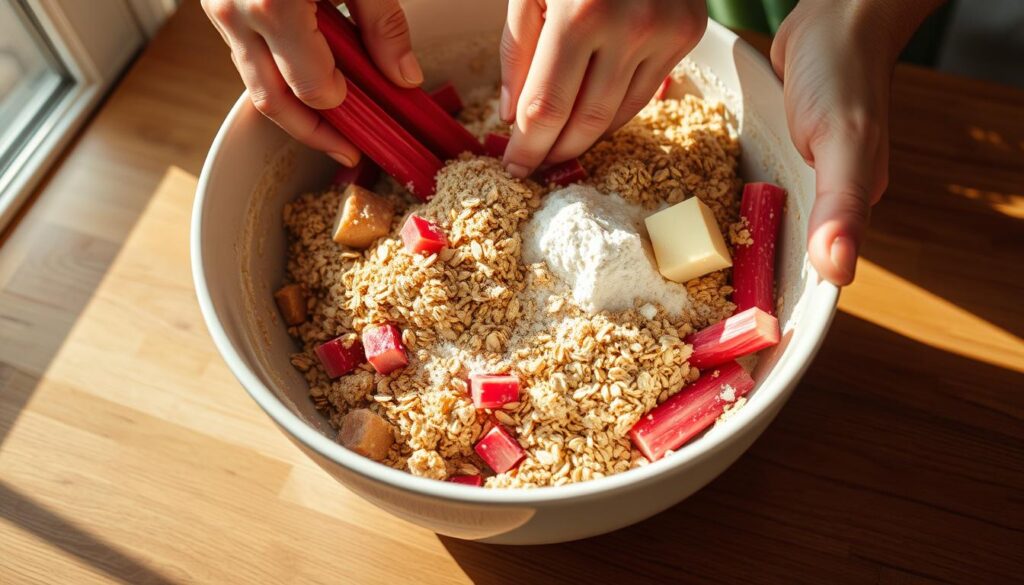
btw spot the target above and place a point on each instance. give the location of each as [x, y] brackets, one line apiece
[765, 16]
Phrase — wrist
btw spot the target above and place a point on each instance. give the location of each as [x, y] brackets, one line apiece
[888, 24]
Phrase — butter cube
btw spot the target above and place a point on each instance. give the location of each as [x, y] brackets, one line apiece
[363, 218]
[687, 242]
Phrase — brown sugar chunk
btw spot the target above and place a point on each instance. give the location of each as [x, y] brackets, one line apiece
[366, 433]
[362, 218]
[291, 301]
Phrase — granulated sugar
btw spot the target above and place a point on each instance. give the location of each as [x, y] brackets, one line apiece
[594, 243]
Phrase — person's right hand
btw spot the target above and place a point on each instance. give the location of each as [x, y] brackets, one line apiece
[288, 68]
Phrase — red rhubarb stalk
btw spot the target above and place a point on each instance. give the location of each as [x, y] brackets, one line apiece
[339, 360]
[422, 236]
[499, 449]
[680, 418]
[753, 265]
[563, 173]
[384, 349]
[742, 334]
[495, 144]
[364, 174]
[662, 92]
[493, 390]
[412, 107]
[383, 140]
[476, 480]
[448, 98]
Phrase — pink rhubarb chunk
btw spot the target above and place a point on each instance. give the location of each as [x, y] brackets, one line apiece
[476, 480]
[339, 360]
[563, 173]
[499, 449]
[384, 349]
[495, 144]
[753, 265]
[422, 236]
[448, 98]
[493, 390]
[364, 174]
[742, 334]
[662, 92]
[685, 415]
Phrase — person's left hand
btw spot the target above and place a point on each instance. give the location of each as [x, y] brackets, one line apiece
[573, 70]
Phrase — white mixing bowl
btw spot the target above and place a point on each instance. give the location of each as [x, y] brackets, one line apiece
[238, 251]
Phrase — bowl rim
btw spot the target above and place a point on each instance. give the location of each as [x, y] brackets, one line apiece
[774, 387]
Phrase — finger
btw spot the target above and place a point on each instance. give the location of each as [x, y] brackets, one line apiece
[271, 95]
[523, 24]
[385, 31]
[301, 52]
[554, 80]
[604, 87]
[847, 182]
[646, 81]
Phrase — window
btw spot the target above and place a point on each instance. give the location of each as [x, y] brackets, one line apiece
[57, 59]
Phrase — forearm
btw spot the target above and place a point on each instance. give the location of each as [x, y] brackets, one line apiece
[888, 24]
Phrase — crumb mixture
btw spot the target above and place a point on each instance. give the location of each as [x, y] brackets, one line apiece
[479, 306]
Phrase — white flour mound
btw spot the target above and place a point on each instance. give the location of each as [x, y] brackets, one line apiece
[593, 243]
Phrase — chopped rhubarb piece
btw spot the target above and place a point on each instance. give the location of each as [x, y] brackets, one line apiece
[493, 390]
[363, 217]
[422, 236]
[477, 480]
[742, 334]
[339, 359]
[448, 98]
[495, 144]
[366, 433]
[662, 92]
[384, 349]
[683, 416]
[291, 301]
[563, 173]
[499, 449]
[412, 107]
[753, 264]
[364, 174]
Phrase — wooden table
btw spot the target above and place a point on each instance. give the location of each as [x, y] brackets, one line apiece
[128, 453]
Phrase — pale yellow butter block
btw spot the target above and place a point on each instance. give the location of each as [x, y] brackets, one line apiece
[687, 242]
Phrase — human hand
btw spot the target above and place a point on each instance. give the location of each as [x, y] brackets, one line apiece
[289, 70]
[836, 61]
[573, 70]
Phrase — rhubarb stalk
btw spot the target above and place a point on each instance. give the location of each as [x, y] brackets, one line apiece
[412, 107]
[680, 418]
[383, 140]
[753, 265]
[742, 334]
[448, 98]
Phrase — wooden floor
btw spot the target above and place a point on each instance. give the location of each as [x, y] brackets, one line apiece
[129, 454]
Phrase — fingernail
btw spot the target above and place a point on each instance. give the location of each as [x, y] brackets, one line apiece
[410, 69]
[505, 105]
[844, 256]
[343, 159]
[517, 171]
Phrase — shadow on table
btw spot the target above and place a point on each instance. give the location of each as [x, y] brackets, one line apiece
[22, 511]
[868, 474]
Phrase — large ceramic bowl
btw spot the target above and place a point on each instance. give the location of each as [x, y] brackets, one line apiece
[238, 250]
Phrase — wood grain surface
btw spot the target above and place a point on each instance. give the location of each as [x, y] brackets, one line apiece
[129, 454]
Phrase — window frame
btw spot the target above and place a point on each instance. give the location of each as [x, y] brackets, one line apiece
[82, 45]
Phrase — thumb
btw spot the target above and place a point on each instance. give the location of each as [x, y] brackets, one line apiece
[849, 177]
[385, 31]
